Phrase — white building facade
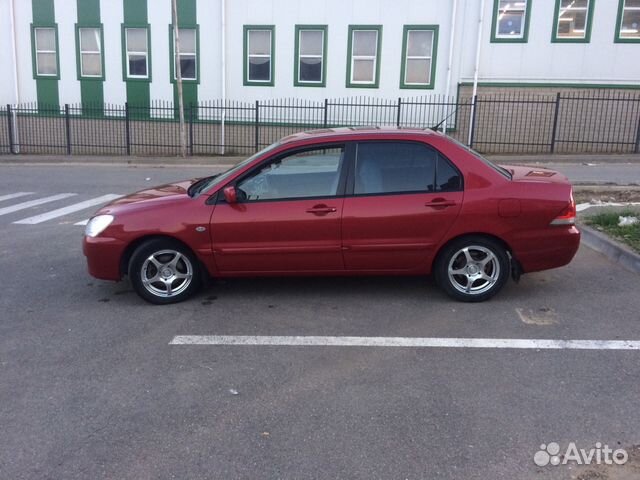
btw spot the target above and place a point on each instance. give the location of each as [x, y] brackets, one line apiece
[59, 52]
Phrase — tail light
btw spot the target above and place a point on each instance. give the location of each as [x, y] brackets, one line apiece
[568, 215]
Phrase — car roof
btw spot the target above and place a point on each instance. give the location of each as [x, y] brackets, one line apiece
[368, 131]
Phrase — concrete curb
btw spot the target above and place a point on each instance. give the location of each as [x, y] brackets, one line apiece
[614, 251]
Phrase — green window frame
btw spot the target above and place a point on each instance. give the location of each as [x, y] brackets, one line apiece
[525, 13]
[173, 59]
[557, 37]
[624, 8]
[351, 58]
[35, 51]
[430, 56]
[299, 54]
[247, 55]
[80, 52]
[125, 53]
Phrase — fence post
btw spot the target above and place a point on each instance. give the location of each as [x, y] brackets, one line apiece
[10, 129]
[191, 129]
[67, 123]
[127, 131]
[637, 147]
[472, 133]
[257, 139]
[326, 112]
[399, 108]
[555, 123]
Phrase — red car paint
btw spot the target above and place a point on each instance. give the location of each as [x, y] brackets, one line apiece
[346, 235]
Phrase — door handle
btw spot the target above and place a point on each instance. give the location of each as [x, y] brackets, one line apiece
[440, 203]
[321, 210]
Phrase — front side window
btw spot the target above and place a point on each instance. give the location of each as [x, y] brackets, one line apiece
[510, 20]
[137, 50]
[187, 59]
[628, 25]
[90, 54]
[306, 174]
[419, 56]
[402, 167]
[572, 20]
[258, 52]
[46, 51]
[311, 51]
[363, 69]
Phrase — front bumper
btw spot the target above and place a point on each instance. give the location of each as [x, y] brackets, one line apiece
[103, 257]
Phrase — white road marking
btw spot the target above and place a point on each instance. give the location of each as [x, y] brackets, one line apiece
[33, 203]
[14, 195]
[306, 341]
[82, 222]
[43, 217]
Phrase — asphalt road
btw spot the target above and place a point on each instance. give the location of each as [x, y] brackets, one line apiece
[91, 388]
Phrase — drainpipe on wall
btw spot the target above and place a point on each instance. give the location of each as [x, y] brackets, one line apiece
[16, 78]
[450, 62]
[475, 73]
[223, 71]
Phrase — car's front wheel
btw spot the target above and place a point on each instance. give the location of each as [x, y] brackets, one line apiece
[472, 269]
[164, 271]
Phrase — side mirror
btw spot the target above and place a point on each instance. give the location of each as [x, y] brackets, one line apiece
[230, 194]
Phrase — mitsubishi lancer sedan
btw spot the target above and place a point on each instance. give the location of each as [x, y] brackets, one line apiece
[348, 201]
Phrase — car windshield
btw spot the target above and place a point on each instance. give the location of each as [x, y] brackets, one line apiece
[218, 179]
[486, 161]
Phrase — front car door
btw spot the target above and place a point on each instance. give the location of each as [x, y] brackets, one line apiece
[287, 218]
[404, 198]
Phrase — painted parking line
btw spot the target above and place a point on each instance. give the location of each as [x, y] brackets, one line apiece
[314, 341]
[43, 217]
[14, 195]
[34, 203]
[82, 222]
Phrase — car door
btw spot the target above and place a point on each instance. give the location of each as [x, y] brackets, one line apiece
[402, 198]
[287, 218]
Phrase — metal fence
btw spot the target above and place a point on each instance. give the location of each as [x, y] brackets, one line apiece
[517, 122]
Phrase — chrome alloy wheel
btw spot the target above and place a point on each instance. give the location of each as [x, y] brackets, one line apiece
[166, 273]
[473, 270]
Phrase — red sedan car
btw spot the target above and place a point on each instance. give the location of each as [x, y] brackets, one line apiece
[347, 201]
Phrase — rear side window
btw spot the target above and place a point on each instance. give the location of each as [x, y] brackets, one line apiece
[402, 167]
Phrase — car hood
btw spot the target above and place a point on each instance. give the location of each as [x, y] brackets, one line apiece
[170, 192]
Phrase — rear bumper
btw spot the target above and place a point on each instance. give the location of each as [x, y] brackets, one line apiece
[103, 257]
[552, 248]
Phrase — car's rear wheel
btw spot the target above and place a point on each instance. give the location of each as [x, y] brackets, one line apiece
[164, 271]
[472, 269]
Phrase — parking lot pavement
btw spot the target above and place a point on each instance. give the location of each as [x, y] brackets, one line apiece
[93, 387]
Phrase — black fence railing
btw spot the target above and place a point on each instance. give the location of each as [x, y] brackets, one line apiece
[517, 122]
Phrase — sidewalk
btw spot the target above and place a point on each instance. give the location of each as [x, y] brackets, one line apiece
[616, 169]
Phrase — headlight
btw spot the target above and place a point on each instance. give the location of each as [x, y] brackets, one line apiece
[97, 225]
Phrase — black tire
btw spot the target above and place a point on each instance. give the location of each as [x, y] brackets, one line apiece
[174, 276]
[484, 268]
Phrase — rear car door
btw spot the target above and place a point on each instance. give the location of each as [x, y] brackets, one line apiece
[287, 218]
[402, 197]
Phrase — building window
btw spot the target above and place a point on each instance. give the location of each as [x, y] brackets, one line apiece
[90, 58]
[311, 48]
[187, 60]
[258, 54]
[572, 21]
[510, 20]
[628, 24]
[419, 48]
[45, 45]
[137, 53]
[363, 57]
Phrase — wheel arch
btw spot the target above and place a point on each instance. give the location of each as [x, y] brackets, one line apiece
[495, 238]
[128, 252]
